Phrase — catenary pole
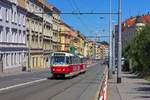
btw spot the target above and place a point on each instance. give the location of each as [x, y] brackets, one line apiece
[110, 41]
[119, 43]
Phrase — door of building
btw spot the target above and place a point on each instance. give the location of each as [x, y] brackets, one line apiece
[1, 63]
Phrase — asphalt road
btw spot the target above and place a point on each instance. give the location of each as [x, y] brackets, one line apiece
[81, 87]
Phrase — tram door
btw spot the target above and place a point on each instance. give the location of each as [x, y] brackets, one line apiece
[1, 63]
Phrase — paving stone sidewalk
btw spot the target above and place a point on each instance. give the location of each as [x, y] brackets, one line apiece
[131, 88]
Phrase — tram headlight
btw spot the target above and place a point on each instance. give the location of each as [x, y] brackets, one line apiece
[63, 69]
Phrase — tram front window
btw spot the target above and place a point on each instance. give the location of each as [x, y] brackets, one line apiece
[59, 60]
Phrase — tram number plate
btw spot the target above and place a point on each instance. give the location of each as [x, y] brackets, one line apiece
[58, 69]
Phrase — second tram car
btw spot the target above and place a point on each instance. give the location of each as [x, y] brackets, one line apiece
[66, 64]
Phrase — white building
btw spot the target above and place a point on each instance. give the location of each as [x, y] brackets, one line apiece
[12, 36]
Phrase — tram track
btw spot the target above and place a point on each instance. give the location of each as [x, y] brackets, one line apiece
[75, 83]
[55, 89]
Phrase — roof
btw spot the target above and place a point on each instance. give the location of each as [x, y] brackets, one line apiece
[137, 19]
[146, 18]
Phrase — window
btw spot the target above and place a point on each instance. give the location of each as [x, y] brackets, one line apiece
[7, 33]
[19, 37]
[15, 17]
[68, 60]
[19, 18]
[24, 19]
[7, 60]
[12, 15]
[36, 7]
[19, 58]
[6, 14]
[15, 58]
[8, 36]
[58, 60]
[12, 59]
[1, 35]
[15, 37]
[24, 37]
[1, 13]
[12, 36]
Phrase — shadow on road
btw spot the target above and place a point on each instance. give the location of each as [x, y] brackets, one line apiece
[143, 83]
[144, 97]
[144, 89]
[61, 78]
[132, 76]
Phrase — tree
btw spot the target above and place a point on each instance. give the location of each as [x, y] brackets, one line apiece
[139, 51]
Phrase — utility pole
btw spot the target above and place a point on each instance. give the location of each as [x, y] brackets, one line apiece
[110, 41]
[119, 42]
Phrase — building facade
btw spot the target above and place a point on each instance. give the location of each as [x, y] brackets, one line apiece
[12, 35]
[81, 44]
[35, 30]
[56, 29]
[90, 51]
[98, 51]
[66, 37]
[47, 34]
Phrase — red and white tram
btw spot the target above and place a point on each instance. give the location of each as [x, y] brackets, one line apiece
[66, 64]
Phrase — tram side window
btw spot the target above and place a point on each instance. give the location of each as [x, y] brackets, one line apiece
[71, 60]
[81, 60]
[74, 60]
[67, 60]
[78, 60]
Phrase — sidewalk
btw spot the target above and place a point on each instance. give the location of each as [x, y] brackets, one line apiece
[131, 88]
[14, 73]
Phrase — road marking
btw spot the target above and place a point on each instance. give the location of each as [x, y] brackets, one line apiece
[22, 84]
[91, 65]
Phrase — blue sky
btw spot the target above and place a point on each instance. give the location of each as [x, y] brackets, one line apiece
[94, 24]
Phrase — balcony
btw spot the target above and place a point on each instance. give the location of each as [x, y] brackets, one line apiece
[48, 18]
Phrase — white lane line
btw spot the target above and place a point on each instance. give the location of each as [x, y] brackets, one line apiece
[91, 65]
[22, 84]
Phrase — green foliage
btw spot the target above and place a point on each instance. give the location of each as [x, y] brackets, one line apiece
[139, 51]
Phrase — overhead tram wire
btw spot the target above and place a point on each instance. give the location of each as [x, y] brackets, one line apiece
[82, 21]
[79, 13]
[75, 7]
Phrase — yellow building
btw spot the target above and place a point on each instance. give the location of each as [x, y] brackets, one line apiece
[90, 51]
[81, 44]
[98, 51]
[76, 41]
[66, 37]
[104, 51]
